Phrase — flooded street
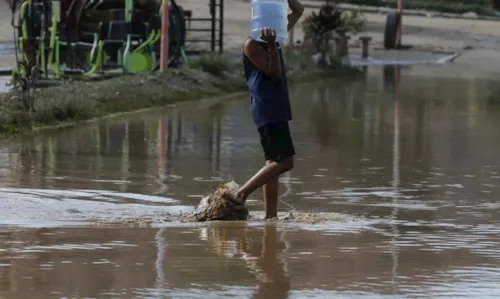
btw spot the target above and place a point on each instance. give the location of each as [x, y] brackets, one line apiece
[406, 159]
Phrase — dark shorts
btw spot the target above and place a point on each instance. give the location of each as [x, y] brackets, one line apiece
[276, 141]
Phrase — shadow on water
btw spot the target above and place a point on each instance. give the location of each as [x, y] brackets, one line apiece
[413, 151]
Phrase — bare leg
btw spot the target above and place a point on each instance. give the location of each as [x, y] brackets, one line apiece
[271, 196]
[264, 176]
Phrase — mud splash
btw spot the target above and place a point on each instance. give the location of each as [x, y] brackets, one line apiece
[53, 208]
[221, 204]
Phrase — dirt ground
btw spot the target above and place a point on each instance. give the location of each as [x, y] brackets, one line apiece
[481, 38]
[5, 27]
[6, 61]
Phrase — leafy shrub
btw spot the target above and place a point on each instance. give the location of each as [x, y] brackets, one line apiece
[352, 21]
[326, 20]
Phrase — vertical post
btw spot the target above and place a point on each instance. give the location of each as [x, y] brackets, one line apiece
[400, 24]
[129, 10]
[221, 26]
[164, 37]
[365, 40]
[212, 14]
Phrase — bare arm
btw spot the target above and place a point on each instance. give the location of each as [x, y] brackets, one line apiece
[266, 61]
[297, 11]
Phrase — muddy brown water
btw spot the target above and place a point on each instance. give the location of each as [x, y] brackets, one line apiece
[410, 154]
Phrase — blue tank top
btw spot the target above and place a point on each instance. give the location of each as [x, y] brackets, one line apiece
[269, 99]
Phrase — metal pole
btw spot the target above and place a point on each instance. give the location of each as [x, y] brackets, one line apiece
[164, 37]
[221, 26]
[212, 13]
[129, 10]
[400, 24]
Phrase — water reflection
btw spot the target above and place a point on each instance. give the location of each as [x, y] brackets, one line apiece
[275, 282]
[415, 153]
[396, 78]
[267, 262]
[350, 138]
[246, 262]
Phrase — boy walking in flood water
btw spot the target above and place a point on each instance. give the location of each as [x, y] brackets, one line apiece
[271, 112]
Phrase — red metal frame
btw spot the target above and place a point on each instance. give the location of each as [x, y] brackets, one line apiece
[164, 37]
[400, 11]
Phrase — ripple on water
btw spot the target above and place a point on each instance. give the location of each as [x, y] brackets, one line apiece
[48, 208]
[51, 208]
[90, 194]
[221, 291]
[247, 292]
